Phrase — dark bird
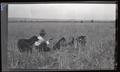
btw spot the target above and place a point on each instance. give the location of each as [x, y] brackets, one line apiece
[60, 43]
[82, 40]
[25, 45]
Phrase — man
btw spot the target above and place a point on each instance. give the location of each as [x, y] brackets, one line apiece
[41, 38]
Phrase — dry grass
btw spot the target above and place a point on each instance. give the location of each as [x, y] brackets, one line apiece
[97, 54]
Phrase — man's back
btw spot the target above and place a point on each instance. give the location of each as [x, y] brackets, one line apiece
[41, 39]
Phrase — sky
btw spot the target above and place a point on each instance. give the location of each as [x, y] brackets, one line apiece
[63, 11]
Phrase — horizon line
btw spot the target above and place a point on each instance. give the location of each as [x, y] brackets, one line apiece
[58, 19]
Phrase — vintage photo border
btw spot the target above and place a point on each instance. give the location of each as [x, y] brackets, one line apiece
[4, 34]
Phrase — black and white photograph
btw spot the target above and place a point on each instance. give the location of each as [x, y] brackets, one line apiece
[61, 36]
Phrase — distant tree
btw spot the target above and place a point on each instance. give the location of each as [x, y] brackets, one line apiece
[92, 21]
[81, 21]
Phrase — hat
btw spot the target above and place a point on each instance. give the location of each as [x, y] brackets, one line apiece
[42, 32]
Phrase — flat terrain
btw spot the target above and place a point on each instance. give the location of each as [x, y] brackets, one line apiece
[97, 54]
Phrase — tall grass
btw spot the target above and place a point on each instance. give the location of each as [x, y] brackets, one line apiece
[97, 54]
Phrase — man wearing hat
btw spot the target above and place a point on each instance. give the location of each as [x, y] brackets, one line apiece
[41, 38]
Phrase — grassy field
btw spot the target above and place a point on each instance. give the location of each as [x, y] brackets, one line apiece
[97, 54]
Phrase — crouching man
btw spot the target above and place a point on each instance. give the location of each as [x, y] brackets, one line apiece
[42, 44]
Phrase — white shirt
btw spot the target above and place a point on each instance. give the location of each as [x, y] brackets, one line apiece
[37, 43]
[47, 42]
[40, 38]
